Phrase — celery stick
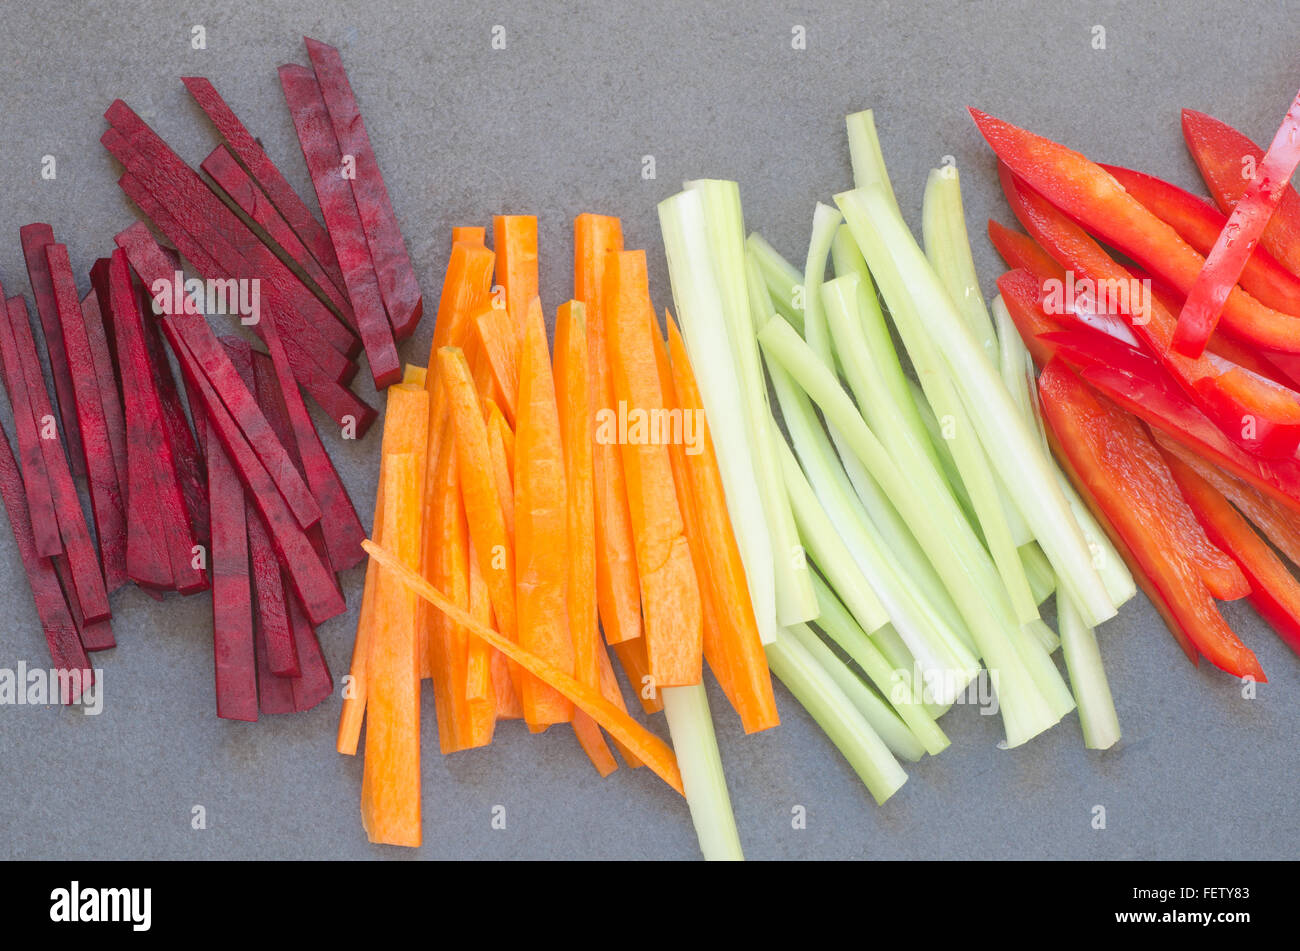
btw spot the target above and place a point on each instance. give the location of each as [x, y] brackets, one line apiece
[1039, 571]
[1007, 439]
[865, 154]
[1025, 711]
[1044, 635]
[841, 721]
[704, 329]
[947, 464]
[691, 727]
[795, 601]
[879, 714]
[943, 226]
[825, 222]
[1097, 713]
[891, 645]
[783, 280]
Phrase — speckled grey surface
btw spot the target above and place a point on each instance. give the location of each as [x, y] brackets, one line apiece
[556, 124]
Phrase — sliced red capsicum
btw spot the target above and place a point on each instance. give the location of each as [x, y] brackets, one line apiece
[1224, 156]
[1121, 469]
[1274, 591]
[1088, 194]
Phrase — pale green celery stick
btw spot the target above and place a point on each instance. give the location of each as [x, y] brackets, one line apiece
[943, 226]
[900, 658]
[795, 601]
[947, 464]
[703, 322]
[825, 221]
[1044, 635]
[828, 549]
[1039, 571]
[938, 650]
[691, 727]
[1008, 440]
[841, 298]
[1097, 713]
[1034, 642]
[887, 724]
[838, 624]
[865, 154]
[835, 713]
[1025, 711]
[783, 280]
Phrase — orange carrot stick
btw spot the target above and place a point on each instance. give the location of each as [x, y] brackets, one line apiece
[751, 682]
[502, 452]
[609, 689]
[670, 593]
[390, 779]
[500, 344]
[631, 654]
[593, 744]
[479, 693]
[651, 750]
[468, 235]
[406, 423]
[515, 240]
[617, 590]
[541, 527]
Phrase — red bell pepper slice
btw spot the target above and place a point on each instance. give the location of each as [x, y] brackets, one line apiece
[1199, 223]
[1224, 263]
[1275, 593]
[1121, 469]
[1021, 251]
[1224, 157]
[1088, 194]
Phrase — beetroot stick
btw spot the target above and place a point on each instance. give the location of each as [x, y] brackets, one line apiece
[101, 351]
[95, 635]
[315, 682]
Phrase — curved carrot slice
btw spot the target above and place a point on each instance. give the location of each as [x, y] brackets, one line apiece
[515, 239]
[651, 750]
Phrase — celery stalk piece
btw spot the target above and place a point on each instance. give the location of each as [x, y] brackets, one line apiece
[943, 226]
[835, 713]
[1039, 571]
[783, 280]
[887, 724]
[947, 464]
[825, 222]
[704, 330]
[891, 645]
[1097, 713]
[828, 549]
[865, 154]
[1044, 635]
[1034, 642]
[838, 624]
[1007, 439]
[1025, 711]
[841, 297]
[795, 601]
[691, 727]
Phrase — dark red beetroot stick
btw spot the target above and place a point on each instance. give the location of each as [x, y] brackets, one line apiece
[101, 351]
[233, 652]
[95, 635]
[272, 614]
[87, 576]
[238, 189]
[324, 162]
[264, 172]
[36, 481]
[66, 652]
[315, 683]
[275, 694]
[106, 502]
[392, 264]
[148, 443]
[34, 239]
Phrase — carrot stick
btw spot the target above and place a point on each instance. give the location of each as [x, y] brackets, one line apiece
[740, 651]
[479, 692]
[653, 751]
[670, 594]
[469, 235]
[515, 239]
[617, 589]
[609, 689]
[541, 527]
[500, 344]
[390, 781]
[631, 654]
[501, 448]
[406, 424]
[593, 744]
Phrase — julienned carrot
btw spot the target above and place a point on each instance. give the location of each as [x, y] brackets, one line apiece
[480, 696]
[631, 654]
[390, 782]
[751, 682]
[611, 691]
[647, 747]
[514, 237]
[593, 743]
[541, 528]
[500, 345]
[618, 594]
[501, 447]
[670, 594]
[406, 423]
[469, 235]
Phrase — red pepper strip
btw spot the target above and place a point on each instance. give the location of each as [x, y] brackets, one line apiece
[1199, 223]
[1275, 593]
[1088, 194]
[1246, 411]
[1224, 263]
[1225, 157]
[1123, 471]
[1021, 251]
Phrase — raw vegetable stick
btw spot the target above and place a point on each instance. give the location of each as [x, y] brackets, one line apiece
[653, 751]
[314, 684]
[480, 692]
[112, 552]
[501, 448]
[611, 691]
[471, 234]
[406, 424]
[500, 345]
[390, 780]
[670, 594]
[541, 528]
[618, 593]
[631, 654]
[514, 237]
